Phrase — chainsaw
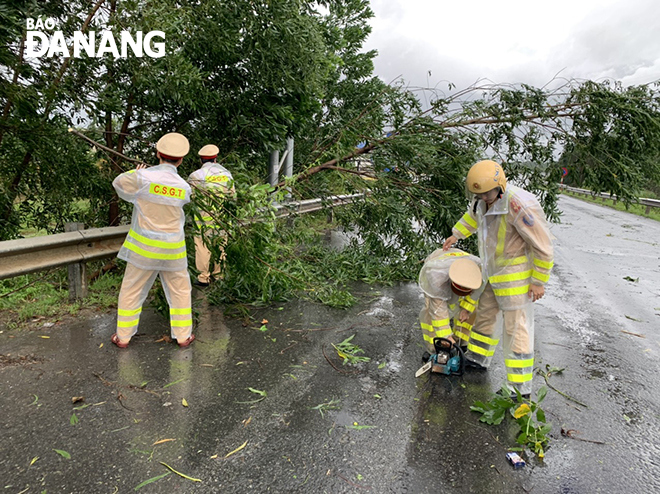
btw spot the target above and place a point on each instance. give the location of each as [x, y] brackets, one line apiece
[448, 359]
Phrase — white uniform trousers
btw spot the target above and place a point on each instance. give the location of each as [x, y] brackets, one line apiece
[517, 339]
[134, 290]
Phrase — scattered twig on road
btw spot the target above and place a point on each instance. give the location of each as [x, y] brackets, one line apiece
[366, 487]
[290, 346]
[634, 334]
[128, 386]
[556, 344]
[570, 433]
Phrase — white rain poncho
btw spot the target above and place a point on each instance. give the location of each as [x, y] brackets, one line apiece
[214, 178]
[156, 240]
[441, 304]
[515, 244]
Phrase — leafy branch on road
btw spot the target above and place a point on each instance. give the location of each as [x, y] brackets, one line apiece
[349, 352]
[528, 414]
[549, 371]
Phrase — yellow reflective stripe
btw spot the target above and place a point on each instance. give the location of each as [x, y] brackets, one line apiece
[519, 378]
[180, 324]
[167, 191]
[452, 306]
[156, 243]
[469, 220]
[131, 171]
[153, 255]
[427, 327]
[515, 261]
[519, 363]
[440, 323]
[541, 276]
[544, 264]
[462, 336]
[504, 278]
[181, 311]
[462, 229]
[428, 338]
[217, 178]
[465, 325]
[501, 235]
[485, 339]
[510, 292]
[128, 324]
[467, 306]
[125, 312]
[470, 300]
[443, 333]
[479, 350]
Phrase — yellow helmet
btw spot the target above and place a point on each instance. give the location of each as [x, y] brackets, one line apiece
[485, 176]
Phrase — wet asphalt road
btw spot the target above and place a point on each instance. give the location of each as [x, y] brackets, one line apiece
[381, 430]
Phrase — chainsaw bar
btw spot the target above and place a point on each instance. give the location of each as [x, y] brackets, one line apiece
[424, 369]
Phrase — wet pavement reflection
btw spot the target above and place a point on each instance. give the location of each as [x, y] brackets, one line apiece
[274, 410]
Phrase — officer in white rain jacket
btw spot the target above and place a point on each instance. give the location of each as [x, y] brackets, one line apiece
[212, 181]
[155, 244]
[515, 246]
[451, 282]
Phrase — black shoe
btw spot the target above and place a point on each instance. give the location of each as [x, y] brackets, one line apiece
[425, 357]
[469, 364]
[200, 284]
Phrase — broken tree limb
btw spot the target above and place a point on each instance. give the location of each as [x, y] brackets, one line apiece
[105, 148]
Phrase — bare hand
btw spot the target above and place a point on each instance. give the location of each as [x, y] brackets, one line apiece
[464, 315]
[140, 166]
[536, 292]
[449, 242]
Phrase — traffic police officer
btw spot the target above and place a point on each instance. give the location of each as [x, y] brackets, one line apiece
[211, 182]
[155, 244]
[451, 282]
[515, 246]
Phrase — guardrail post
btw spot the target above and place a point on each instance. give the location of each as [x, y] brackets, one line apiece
[648, 209]
[288, 163]
[273, 167]
[77, 271]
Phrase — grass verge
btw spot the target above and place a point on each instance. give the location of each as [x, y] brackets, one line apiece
[636, 209]
[32, 300]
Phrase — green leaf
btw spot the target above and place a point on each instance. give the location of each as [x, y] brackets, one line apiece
[153, 479]
[540, 415]
[74, 419]
[63, 453]
[259, 392]
[542, 392]
[545, 429]
[522, 438]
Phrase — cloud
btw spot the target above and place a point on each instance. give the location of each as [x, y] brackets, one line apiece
[515, 41]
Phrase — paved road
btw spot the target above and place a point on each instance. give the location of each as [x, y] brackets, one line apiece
[420, 435]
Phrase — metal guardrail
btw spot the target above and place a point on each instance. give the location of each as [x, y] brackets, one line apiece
[644, 201]
[29, 255]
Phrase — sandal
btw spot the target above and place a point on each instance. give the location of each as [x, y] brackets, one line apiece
[115, 339]
[187, 341]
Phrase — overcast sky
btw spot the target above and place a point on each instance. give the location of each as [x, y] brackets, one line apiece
[515, 41]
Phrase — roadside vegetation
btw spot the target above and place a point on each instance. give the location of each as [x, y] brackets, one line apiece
[247, 76]
[637, 209]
